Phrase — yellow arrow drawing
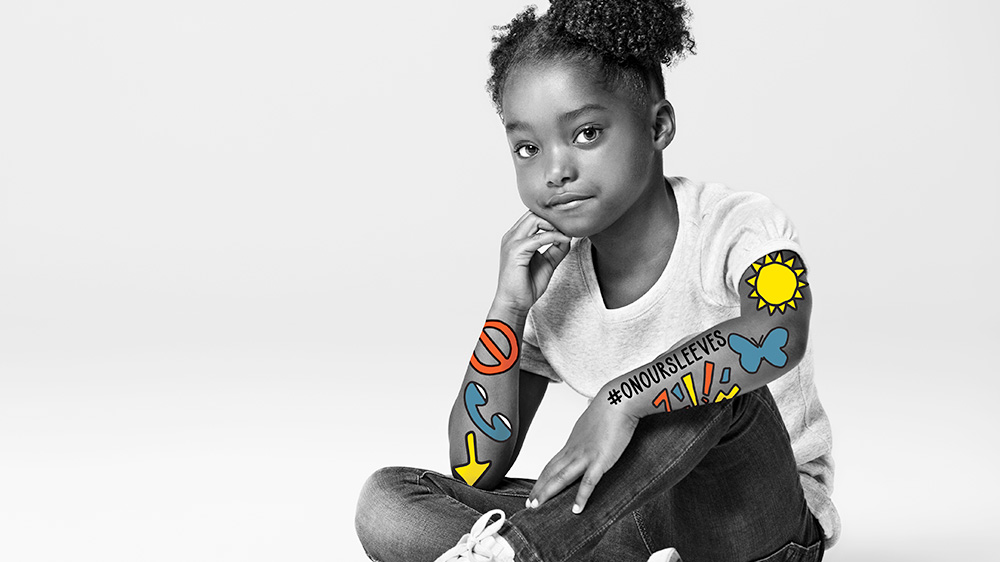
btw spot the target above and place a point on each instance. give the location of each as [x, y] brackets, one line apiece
[473, 470]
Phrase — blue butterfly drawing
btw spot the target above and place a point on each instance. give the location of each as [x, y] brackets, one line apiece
[751, 352]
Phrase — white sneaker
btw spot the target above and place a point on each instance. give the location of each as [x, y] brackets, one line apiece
[482, 544]
[665, 555]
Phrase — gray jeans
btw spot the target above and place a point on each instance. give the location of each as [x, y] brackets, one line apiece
[717, 482]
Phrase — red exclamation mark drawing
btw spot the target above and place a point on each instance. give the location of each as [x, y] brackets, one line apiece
[709, 368]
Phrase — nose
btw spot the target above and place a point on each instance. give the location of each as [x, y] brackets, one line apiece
[560, 168]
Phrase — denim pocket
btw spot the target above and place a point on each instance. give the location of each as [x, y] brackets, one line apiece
[794, 552]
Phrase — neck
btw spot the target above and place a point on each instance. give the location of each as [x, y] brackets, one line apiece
[643, 237]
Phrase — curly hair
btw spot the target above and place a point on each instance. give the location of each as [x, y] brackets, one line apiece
[623, 41]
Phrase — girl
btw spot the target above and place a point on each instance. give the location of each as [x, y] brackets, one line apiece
[681, 309]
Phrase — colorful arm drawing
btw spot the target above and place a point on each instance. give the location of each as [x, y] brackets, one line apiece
[497, 401]
[495, 406]
[731, 358]
[734, 357]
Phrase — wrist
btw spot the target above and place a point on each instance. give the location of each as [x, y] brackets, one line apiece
[510, 313]
[611, 397]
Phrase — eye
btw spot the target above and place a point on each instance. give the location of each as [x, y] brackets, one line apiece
[587, 135]
[526, 150]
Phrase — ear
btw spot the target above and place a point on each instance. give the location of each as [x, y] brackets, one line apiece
[663, 123]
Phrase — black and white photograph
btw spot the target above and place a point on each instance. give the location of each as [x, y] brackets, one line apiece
[293, 281]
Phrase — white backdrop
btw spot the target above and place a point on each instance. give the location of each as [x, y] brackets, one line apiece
[246, 249]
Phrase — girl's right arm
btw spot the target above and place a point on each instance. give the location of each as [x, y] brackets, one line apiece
[496, 400]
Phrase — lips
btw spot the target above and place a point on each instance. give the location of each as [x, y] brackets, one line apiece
[566, 197]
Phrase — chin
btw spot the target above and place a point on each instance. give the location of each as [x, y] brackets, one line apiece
[574, 227]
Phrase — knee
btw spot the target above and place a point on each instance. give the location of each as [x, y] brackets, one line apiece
[381, 504]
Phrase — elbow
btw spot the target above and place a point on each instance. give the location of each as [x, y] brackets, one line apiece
[487, 482]
[471, 463]
[473, 458]
[782, 340]
[795, 355]
[798, 339]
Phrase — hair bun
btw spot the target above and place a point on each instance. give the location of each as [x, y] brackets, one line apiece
[648, 30]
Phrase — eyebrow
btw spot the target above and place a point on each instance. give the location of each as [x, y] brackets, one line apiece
[568, 116]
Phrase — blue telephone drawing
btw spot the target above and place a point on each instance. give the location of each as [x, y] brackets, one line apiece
[751, 353]
[475, 396]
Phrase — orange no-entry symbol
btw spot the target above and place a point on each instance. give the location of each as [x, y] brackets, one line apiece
[504, 362]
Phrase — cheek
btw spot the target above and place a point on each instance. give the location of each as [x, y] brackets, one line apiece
[631, 165]
[524, 190]
[620, 162]
[634, 151]
[525, 199]
[620, 147]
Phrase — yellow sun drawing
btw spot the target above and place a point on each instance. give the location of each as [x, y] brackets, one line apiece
[776, 283]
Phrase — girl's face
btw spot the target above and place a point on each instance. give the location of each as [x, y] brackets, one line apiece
[583, 155]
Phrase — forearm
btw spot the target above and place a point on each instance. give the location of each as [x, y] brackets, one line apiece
[483, 428]
[734, 357]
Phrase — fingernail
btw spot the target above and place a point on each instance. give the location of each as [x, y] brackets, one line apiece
[534, 502]
[577, 509]
[527, 502]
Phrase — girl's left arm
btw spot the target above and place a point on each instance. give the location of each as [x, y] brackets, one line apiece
[734, 357]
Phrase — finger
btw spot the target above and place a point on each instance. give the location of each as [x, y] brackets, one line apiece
[532, 224]
[557, 251]
[524, 225]
[531, 244]
[562, 478]
[543, 224]
[587, 485]
[553, 466]
[519, 223]
[543, 264]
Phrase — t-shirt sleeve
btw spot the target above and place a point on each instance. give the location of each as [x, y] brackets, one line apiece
[738, 230]
[532, 358]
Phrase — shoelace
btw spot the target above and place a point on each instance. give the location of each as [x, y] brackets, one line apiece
[475, 545]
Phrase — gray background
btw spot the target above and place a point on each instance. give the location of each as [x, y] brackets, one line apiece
[246, 249]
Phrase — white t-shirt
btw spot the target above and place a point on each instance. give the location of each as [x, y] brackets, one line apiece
[571, 336]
